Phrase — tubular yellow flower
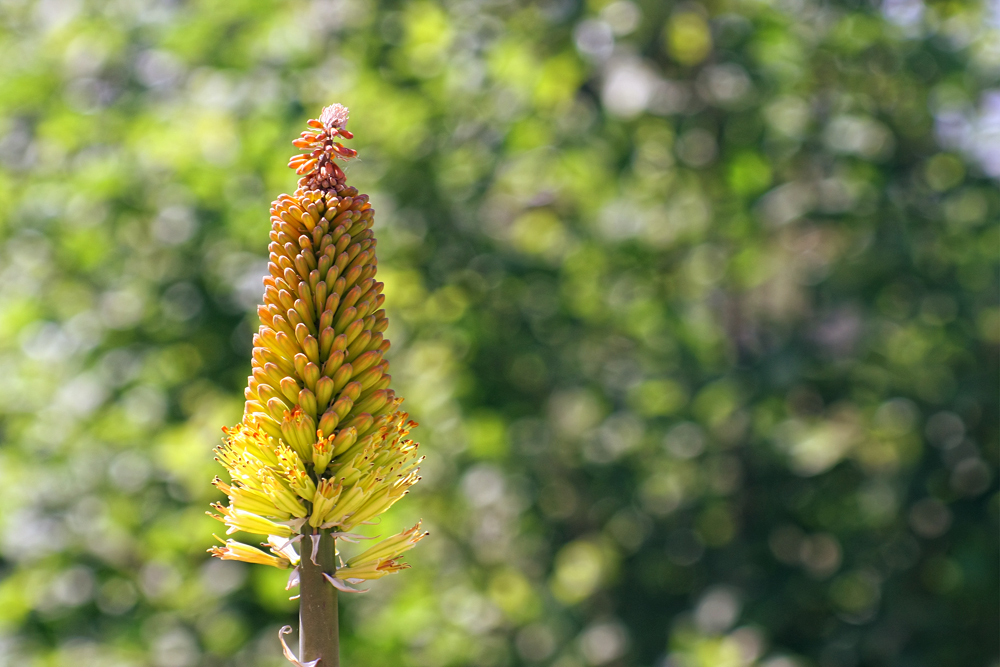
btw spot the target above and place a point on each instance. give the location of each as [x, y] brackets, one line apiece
[325, 499]
[237, 551]
[240, 520]
[322, 445]
[389, 548]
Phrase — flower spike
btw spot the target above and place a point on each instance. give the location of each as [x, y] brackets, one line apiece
[323, 444]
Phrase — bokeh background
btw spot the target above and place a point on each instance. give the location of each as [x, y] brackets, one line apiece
[696, 305]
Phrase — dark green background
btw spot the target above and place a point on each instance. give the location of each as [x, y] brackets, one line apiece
[696, 305]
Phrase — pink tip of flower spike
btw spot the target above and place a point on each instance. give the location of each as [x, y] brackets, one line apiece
[334, 117]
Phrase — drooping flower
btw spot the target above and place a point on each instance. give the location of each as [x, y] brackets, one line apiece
[322, 446]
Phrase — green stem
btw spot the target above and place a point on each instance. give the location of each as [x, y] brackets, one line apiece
[319, 633]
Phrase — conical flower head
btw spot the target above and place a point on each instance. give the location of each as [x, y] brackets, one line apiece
[322, 441]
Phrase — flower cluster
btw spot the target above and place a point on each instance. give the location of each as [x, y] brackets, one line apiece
[322, 445]
[317, 167]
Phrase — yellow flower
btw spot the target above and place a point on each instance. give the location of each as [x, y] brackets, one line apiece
[387, 550]
[237, 551]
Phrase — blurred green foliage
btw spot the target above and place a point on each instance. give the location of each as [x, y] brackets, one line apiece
[696, 303]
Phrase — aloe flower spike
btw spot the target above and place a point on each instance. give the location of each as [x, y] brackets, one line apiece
[322, 446]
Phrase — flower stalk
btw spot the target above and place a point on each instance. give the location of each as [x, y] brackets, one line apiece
[318, 603]
[322, 446]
